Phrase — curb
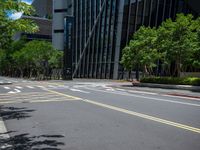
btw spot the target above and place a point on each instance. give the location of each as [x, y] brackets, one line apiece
[5, 83]
[183, 95]
[168, 86]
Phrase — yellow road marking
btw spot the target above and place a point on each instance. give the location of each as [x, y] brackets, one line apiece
[140, 115]
[27, 93]
[36, 101]
[148, 117]
[65, 95]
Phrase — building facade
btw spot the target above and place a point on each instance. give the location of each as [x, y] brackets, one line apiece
[103, 27]
[43, 18]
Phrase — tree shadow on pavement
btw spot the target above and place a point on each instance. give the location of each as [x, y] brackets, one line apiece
[8, 113]
[26, 142]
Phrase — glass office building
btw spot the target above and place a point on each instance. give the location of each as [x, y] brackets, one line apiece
[103, 27]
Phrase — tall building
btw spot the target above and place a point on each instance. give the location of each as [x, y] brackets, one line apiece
[101, 28]
[43, 18]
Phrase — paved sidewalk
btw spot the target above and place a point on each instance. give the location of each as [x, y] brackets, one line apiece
[178, 91]
[5, 82]
[168, 86]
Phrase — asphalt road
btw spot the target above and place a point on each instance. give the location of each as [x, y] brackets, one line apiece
[94, 115]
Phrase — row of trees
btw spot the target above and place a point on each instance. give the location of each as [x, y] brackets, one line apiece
[22, 58]
[170, 49]
[30, 59]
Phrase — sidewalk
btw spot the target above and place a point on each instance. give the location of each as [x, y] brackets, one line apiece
[163, 89]
[5, 82]
[168, 86]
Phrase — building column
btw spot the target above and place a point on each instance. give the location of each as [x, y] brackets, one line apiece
[118, 41]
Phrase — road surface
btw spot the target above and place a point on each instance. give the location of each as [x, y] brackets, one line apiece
[94, 115]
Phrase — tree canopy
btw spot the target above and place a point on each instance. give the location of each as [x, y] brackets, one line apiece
[30, 59]
[9, 27]
[174, 45]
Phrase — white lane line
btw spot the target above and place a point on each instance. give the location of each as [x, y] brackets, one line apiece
[110, 89]
[18, 87]
[3, 129]
[121, 89]
[7, 88]
[76, 90]
[4, 135]
[144, 97]
[41, 87]
[30, 87]
[15, 91]
[51, 86]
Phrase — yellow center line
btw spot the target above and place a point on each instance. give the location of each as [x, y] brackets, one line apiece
[140, 115]
[69, 96]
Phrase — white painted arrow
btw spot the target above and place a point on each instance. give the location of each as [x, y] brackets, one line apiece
[15, 91]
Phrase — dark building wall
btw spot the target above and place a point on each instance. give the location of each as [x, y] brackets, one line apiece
[104, 27]
[45, 29]
[43, 8]
[95, 37]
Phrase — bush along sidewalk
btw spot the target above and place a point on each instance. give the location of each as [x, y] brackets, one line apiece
[172, 80]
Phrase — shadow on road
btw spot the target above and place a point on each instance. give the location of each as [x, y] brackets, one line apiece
[8, 113]
[26, 142]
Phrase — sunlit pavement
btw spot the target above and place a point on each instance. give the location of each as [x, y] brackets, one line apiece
[95, 115]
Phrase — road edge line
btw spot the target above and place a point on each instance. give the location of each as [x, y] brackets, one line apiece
[4, 133]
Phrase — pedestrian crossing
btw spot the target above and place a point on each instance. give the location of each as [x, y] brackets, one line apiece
[34, 97]
[49, 86]
[35, 87]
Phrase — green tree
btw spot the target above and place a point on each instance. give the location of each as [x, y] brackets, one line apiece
[56, 60]
[9, 27]
[141, 50]
[175, 45]
[195, 56]
[177, 40]
[37, 56]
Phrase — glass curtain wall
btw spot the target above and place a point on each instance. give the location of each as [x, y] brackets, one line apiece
[95, 22]
[96, 33]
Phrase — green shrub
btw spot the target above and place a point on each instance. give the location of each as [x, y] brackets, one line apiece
[172, 80]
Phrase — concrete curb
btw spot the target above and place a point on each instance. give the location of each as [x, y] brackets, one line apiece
[168, 86]
[5, 83]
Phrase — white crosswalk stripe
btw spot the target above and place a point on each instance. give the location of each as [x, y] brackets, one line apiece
[33, 97]
[7, 88]
[18, 87]
[41, 86]
[30, 87]
[14, 91]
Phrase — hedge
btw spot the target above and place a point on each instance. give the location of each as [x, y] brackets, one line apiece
[172, 80]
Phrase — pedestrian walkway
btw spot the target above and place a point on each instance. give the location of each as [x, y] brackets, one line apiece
[33, 97]
[2, 82]
[13, 89]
